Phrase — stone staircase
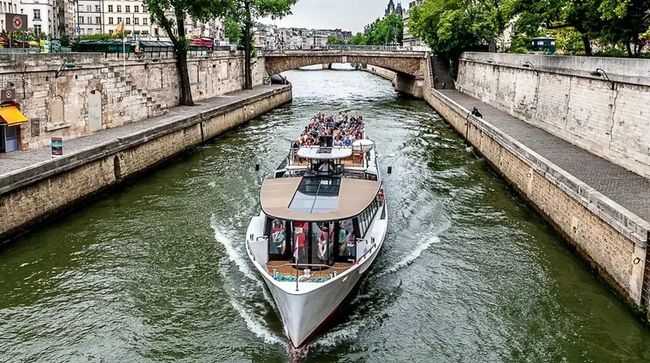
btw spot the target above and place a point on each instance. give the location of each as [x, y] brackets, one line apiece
[441, 78]
[138, 103]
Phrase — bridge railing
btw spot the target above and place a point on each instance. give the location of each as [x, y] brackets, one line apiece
[345, 47]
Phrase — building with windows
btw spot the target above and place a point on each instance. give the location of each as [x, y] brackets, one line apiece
[408, 39]
[40, 15]
[104, 16]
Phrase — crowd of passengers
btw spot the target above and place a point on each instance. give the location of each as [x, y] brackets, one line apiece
[343, 130]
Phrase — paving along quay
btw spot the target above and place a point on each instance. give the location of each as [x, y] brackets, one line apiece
[322, 199]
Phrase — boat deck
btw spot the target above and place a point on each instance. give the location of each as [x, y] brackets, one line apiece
[287, 269]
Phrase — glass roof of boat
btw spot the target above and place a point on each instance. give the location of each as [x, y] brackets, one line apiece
[316, 195]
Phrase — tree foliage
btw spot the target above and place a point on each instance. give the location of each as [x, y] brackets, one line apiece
[450, 27]
[608, 23]
[386, 31]
[579, 26]
[333, 40]
[243, 13]
[232, 31]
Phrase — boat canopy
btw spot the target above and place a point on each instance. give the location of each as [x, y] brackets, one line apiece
[316, 198]
[324, 153]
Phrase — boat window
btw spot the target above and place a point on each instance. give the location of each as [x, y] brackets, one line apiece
[346, 240]
[278, 239]
[299, 239]
[322, 243]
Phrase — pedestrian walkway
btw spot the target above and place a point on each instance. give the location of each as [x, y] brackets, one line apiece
[624, 187]
[24, 159]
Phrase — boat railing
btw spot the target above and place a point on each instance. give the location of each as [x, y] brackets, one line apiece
[298, 278]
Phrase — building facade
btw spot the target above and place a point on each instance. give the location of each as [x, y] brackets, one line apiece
[108, 17]
[272, 37]
[408, 39]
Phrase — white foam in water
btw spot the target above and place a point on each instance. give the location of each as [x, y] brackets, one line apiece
[334, 337]
[411, 257]
[232, 252]
[256, 326]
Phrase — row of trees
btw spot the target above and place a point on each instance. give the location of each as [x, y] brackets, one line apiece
[171, 15]
[453, 26]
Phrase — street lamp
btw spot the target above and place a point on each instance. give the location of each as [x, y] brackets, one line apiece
[599, 72]
[528, 65]
[68, 63]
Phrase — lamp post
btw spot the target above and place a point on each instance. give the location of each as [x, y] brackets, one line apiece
[599, 72]
[528, 65]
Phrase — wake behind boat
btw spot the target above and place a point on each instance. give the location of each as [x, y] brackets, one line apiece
[322, 224]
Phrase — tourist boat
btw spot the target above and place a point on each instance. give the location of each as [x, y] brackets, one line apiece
[322, 223]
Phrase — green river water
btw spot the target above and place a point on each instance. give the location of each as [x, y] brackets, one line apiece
[156, 270]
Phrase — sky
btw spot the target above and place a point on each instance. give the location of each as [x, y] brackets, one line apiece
[331, 14]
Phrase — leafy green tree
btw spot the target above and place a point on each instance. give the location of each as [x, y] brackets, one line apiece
[171, 16]
[243, 13]
[625, 22]
[386, 31]
[232, 31]
[580, 15]
[333, 40]
[451, 27]
[359, 39]
[610, 23]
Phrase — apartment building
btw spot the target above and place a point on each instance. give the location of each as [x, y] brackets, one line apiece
[408, 39]
[40, 15]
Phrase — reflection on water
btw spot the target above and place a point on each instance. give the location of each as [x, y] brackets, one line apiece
[156, 271]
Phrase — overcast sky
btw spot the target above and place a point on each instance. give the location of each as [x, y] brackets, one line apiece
[331, 14]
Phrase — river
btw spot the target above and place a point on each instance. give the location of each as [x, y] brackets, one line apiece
[156, 270]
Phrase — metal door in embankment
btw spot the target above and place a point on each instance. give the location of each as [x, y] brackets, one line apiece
[94, 121]
[9, 138]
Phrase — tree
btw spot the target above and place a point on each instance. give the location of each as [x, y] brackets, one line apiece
[333, 40]
[611, 23]
[232, 31]
[451, 27]
[581, 15]
[386, 31]
[625, 22]
[171, 16]
[359, 39]
[243, 12]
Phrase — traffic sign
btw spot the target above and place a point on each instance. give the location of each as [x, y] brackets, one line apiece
[16, 22]
[7, 94]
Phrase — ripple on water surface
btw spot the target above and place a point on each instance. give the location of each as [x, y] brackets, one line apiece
[157, 270]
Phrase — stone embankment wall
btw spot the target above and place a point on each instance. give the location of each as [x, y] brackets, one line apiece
[36, 193]
[597, 227]
[563, 97]
[106, 90]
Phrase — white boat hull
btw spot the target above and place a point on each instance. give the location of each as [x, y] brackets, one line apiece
[305, 310]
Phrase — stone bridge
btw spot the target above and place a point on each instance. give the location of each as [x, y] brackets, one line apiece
[410, 66]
